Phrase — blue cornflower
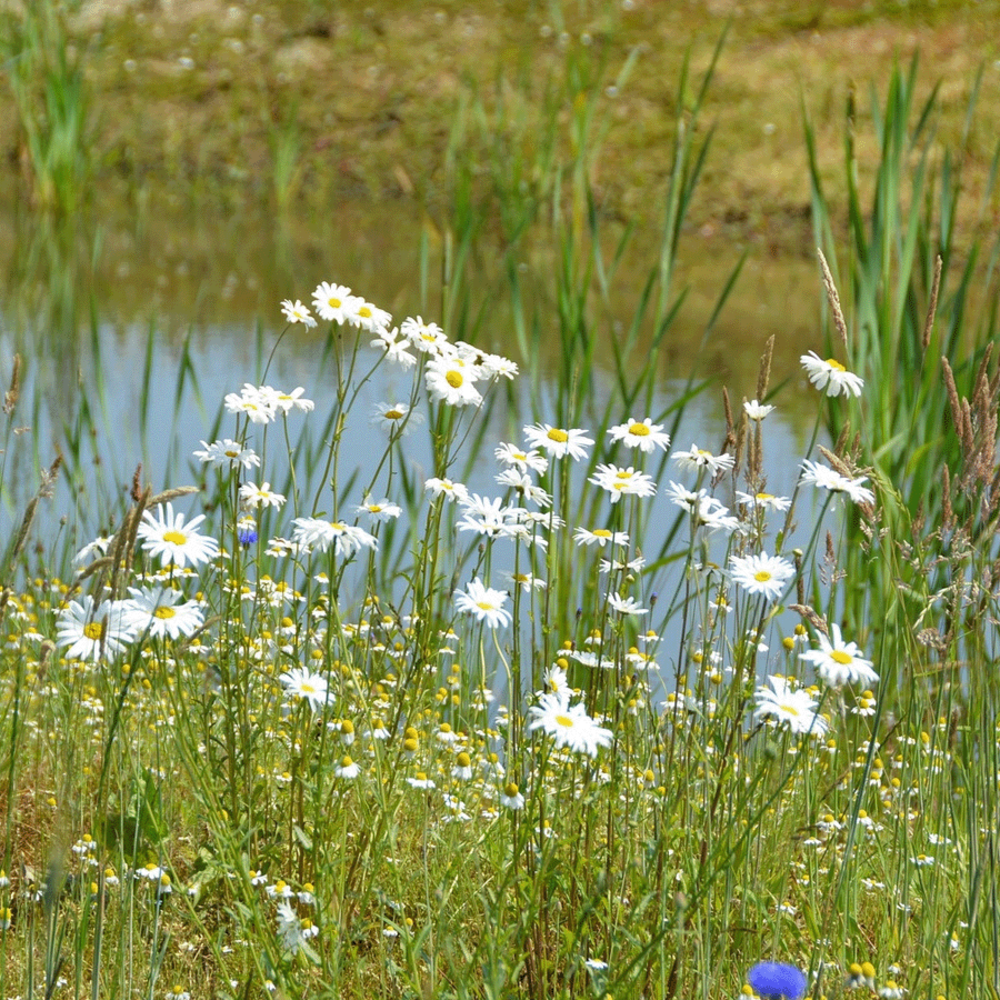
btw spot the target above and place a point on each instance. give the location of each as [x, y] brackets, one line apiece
[777, 981]
[246, 530]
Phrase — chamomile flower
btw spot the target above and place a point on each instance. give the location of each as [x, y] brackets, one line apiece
[347, 769]
[762, 574]
[558, 442]
[296, 312]
[227, 452]
[838, 662]
[290, 928]
[485, 603]
[644, 435]
[831, 376]
[168, 536]
[91, 630]
[301, 682]
[794, 707]
[511, 797]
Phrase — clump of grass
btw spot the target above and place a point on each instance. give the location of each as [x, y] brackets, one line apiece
[316, 743]
[46, 78]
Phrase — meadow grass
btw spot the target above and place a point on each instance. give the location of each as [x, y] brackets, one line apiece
[322, 745]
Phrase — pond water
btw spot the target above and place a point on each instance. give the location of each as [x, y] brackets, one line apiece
[130, 334]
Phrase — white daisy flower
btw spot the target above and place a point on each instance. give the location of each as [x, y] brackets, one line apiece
[485, 603]
[599, 537]
[227, 451]
[569, 725]
[831, 375]
[166, 536]
[625, 605]
[296, 312]
[253, 496]
[396, 348]
[333, 302]
[823, 477]
[523, 461]
[698, 458]
[396, 419]
[428, 338]
[379, 510]
[366, 316]
[318, 534]
[301, 682]
[623, 482]
[559, 442]
[793, 707]
[756, 411]
[762, 574]
[254, 403]
[644, 435]
[156, 612]
[452, 381]
[90, 630]
[838, 662]
[447, 488]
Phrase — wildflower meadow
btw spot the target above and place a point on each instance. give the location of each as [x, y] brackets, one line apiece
[532, 697]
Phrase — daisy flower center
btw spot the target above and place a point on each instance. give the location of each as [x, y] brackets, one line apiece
[231, 454]
[762, 576]
[164, 613]
[556, 434]
[839, 656]
[93, 630]
[333, 303]
[638, 430]
[454, 379]
[835, 365]
[765, 496]
[510, 789]
[365, 313]
[485, 605]
[565, 720]
[622, 474]
[308, 688]
[791, 710]
[375, 508]
[175, 537]
[602, 533]
[394, 415]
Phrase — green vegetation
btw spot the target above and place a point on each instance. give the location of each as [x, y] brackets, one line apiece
[624, 725]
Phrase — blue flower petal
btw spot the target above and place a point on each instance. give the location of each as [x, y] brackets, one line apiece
[777, 981]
